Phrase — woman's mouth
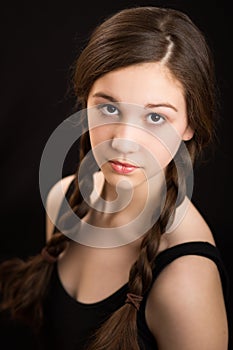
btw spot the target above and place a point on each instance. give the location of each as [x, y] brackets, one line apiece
[122, 168]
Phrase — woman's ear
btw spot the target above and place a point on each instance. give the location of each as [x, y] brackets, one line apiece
[188, 134]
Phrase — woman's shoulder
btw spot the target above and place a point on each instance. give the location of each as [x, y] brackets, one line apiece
[182, 301]
[188, 288]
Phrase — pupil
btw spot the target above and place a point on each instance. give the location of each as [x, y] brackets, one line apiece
[154, 117]
[111, 109]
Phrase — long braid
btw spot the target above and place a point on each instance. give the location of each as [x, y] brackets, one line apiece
[114, 334]
[24, 284]
[78, 204]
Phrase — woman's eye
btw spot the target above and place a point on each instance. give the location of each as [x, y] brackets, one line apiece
[155, 118]
[109, 109]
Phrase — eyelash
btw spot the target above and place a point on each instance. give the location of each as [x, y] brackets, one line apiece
[104, 106]
[103, 109]
[161, 118]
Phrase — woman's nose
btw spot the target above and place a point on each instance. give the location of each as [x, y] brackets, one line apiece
[124, 139]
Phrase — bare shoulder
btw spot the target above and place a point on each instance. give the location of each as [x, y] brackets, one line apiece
[185, 308]
[53, 202]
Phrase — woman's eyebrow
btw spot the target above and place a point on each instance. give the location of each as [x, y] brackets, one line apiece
[161, 104]
[149, 105]
[105, 96]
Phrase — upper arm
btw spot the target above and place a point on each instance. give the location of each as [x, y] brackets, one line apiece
[53, 203]
[185, 309]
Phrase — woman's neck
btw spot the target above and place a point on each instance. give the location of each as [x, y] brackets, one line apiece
[119, 206]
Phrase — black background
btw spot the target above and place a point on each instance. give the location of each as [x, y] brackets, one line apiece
[39, 42]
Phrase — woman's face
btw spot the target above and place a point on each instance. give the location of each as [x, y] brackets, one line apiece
[137, 119]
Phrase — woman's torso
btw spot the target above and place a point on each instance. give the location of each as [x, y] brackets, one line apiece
[70, 321]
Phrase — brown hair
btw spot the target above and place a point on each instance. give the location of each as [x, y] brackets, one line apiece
[131, 36]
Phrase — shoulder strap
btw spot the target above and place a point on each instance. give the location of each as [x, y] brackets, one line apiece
[200, 248]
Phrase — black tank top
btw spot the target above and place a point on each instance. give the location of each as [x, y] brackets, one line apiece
[69, 324]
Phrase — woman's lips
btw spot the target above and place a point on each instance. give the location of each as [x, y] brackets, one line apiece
[122, 168]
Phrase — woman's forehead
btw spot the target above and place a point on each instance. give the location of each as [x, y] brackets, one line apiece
[144, 84]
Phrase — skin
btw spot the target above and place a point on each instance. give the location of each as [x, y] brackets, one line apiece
[185, 308]
[162, 94]
[131, 134]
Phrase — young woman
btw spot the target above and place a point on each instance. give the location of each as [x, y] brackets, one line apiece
[141, 269]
